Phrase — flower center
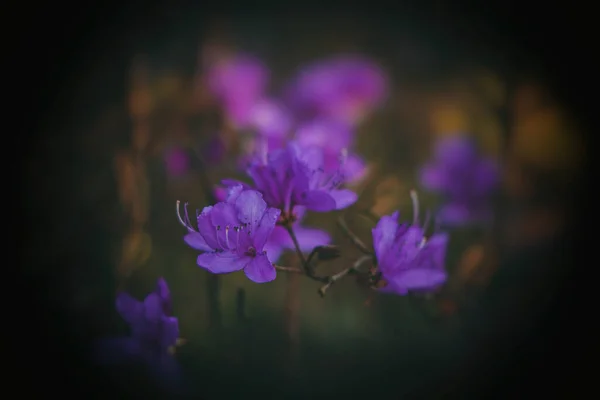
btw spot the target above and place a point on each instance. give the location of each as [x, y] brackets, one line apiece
[251, 251]
[287, 218]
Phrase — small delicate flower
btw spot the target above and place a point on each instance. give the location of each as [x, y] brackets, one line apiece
[232, 235]
[238, 83]
[465, 179]
[343, 87]
[294, 176]
[154, 333]
[407, 260]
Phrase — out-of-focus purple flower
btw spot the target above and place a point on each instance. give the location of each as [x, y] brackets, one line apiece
[177, 161]
[232, 235]
[270, 118]
[343, 87]
[154, 333]
[238, 82]
[407, 260]
[466, 179]
[335, 138]
[294, 176]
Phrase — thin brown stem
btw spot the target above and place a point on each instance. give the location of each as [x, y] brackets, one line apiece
[303, 260]
[334, 278]
[289, 269]
[355, 240]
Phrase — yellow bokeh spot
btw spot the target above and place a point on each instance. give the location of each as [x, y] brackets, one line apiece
[547, 139]
[448, 118]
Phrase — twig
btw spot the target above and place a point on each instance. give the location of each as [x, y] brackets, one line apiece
[303, 260]
[289, 269]
[334, 278]
[355, 240]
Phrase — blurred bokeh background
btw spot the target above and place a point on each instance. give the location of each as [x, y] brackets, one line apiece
[147, 111]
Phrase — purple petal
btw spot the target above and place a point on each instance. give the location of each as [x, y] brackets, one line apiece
[318, 200]
[162, 289]
[207, 229]
[170, 332]
[235, 182]
[454, 214]
[436, 248]
[260, 270]
[343, 198]
[328, 134]
[250, 206]
[196, 241]
[130, 309]
[224, 214]
[270, 118]
[308, 238]
[419, 278]
[239, 82]
[384, 234]
[153, 307]
[265, 227]
[265, 182]
[354, 168]
[222, 263]
[455, 150]
[233, 192]
[433, 177]
[273, 247]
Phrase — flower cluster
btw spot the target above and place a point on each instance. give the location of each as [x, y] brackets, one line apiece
[301, 160]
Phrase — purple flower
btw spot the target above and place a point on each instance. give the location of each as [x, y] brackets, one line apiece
[232, 235]
[292, 176]
[279, 240]
[238, 83]
[154, 332]
[334, 137]
[407, 260]
[465, 179]
[342, 87]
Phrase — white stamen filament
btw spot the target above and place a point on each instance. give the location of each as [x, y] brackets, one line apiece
[415, 203]
[227, 235]
[187, 223]
[237, 239]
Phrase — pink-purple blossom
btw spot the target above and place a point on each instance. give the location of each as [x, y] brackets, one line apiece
[406, 258]
[294, 176]
[232, 235]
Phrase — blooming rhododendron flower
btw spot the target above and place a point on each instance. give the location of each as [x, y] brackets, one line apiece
[406, 259]
[280, 240]
[232, 235]
[293, 176]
